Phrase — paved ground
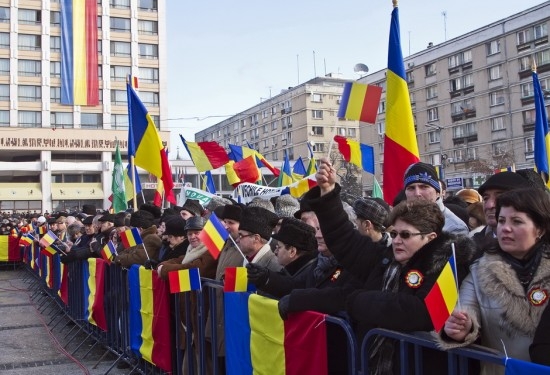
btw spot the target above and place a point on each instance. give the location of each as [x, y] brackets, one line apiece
[29, 346]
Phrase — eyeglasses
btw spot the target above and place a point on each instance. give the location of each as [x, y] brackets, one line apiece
[405, 234]
[246, 235]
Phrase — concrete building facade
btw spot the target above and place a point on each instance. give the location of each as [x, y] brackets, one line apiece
[55, 156]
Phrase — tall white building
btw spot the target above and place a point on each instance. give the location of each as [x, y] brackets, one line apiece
[55, 156]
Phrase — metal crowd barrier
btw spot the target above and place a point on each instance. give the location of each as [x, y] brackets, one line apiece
[200, 305]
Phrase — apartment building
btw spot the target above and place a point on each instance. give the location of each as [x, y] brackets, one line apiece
[472, 99]
[287, 122]
[59, 156]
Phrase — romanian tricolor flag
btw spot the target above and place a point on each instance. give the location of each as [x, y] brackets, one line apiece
[26, 240]
[93, 277]
[298, 169]
[542, 137]
[253, 328]
[43, 229]
[245, 170]
[145, 145]
[63, 291]
[108, 251]
[206, 155]
[356, 153]
[79, 56]
[400, 145]
[130, 237]
[312, 166]
[149, 317]
[239, 153]
[9, 249]
[48, 250]
[48, 239]
[360, 102]
[236, 279]
[285, 178]
[301, 187]
[443, 296]
[208, 183]
[214, 235]
[184, 280]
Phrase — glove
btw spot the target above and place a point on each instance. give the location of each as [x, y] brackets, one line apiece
[151, 264]
[257, 275]
[283, 306]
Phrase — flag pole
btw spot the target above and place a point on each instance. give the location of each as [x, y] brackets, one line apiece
[134, 199]
[238, 248]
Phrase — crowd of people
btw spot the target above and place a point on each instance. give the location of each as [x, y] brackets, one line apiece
[370, 263]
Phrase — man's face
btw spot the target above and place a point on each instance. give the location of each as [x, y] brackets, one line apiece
[193, 237]
[310, 218]
[106, 225]
[89, 228]
[420, 190]
[489, 206]
[232, 227]
[186, 214]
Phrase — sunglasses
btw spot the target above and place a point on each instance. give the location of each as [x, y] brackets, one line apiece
[405, 234]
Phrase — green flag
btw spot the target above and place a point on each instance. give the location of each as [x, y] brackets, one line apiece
[377, 190]
[119, 194]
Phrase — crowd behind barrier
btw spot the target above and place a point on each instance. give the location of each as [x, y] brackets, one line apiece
[130, 313]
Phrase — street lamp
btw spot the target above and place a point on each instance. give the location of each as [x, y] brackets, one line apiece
[442, 157]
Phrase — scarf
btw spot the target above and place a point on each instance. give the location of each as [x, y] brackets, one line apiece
[324, 264]
[525, 268]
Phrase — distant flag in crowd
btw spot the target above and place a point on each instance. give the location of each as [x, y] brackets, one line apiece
[511, 168]
[26, 239]
[245, 170]
[43, 229]
[235, 280]
[208, 183]
[79, 54]
[356, 153]
[214, 235]
[400, 145]
[48, 239]
[312, 166]
[133, 80]
[298, 170]
[542, 138]
[94, 292]
[130, 237]
[129, 187]
[145, 144]
[119, 193]
[108, 251]
[48, 250]
[206, 155]
[443, 296]
[360, 102]
[285, 178]
[299, 188]
[159, 193]
[184, 280]
[238, 153]
[376, 189]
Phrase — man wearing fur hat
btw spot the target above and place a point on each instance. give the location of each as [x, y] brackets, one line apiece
[190, 208]
[421, 182]
[139, 254]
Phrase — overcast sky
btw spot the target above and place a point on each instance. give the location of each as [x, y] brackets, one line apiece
[226, 56]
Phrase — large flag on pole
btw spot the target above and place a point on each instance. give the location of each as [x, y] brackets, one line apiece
[206, 155]
[285, 178]
[542, 138]
[400, 146]
[356, 153]
[312, 166]
[119, 192]
[145, 145]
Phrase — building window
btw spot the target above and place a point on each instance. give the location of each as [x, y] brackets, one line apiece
[61, 120]
[497, 123]
[148, 5]
[4, 67]
[91, 121]
[55, 18]
[433, 114]
[317, 130]
[29, 16]
[381, 128]
[5, 93]
[540, 57]
[29, 68]
[410, 76]
[460, 58]
[4, 118]
[496, 98]
[352, 132]
[540, 31]
[316, 98]
[120, 24]
[55, 69]
[55, 44]
[382, 107]
[55, 94]
[119, 122]
[527, 90]
[532, 33]
[29, 93]
[122, 4]
[150, 98]
[148, 51]
[274, 125]
[530, 147]
[29, 42]
[431, 69]
[499, 148]
[434, 136]
[494, 73]
[119, 97]
[120, 73]
[529, 117]
[148, 27]
[318, 147]
[4, 15]
[431, 92]
[317, 114]
[121, 49]
[5, 40]
[493, 47]
[31, 119]
[464, 130]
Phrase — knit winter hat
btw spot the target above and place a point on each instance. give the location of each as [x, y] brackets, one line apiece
[141, 219]
[422, 173]
[296, 233]
[258, 220]
[369, 209]
[503, 181]
[286, 205]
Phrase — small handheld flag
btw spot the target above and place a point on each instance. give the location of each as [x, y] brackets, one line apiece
[360, 102]
[130, 237]
[26, 240]
[43, 229]
[443, 296]
[108, 251]
[184, 280]
[236, 279]
[48, 239]
[214, 235]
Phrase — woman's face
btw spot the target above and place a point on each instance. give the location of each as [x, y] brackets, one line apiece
[516, 232]
[405, 248]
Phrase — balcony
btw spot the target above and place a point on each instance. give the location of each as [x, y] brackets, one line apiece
[465, 138]
[529, 127]
[544, 67]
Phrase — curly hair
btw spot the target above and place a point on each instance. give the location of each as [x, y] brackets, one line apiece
[421, 214]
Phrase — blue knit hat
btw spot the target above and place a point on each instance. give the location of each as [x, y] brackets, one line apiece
[422, 173]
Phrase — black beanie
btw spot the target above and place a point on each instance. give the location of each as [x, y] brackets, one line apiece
[422, 173]
[296, 233]
[258, 220]
[141, 219]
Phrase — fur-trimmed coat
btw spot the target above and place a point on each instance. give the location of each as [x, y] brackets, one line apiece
[501, 309]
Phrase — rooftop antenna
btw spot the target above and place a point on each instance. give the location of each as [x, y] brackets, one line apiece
[444, 14]
[314, 67]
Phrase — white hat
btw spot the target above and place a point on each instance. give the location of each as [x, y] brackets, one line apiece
[41, 220]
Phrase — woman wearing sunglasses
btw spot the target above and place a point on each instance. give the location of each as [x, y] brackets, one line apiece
[396, 278]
